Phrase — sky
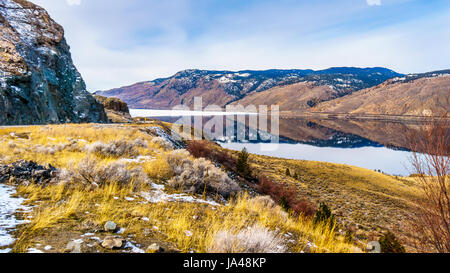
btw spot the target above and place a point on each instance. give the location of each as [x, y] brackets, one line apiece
[120, 42]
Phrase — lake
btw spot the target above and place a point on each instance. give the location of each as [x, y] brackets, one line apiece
[374, 145]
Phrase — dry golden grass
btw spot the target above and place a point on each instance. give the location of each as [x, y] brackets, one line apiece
[174, 220]
[158, 169]
[61, 211]
[365, 201]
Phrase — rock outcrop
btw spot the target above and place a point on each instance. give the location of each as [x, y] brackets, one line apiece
[27, 172]
[38, 82]
[116, 109]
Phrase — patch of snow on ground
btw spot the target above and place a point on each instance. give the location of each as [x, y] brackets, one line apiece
[226, 79]
[158, 195]
[35, 251]
[8, 206]
[139, 159]
[133, 248]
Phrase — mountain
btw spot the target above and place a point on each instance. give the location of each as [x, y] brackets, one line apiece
[294, 97]
[410, 95]
[225, 87]
[38, 82]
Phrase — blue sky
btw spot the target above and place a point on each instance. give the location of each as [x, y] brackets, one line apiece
[120, 42]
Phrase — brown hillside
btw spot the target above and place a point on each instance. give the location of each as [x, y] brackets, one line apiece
[419, 97]
[294, 97]
[148, 95]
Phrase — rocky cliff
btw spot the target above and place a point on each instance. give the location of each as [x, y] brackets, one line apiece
[38, 82]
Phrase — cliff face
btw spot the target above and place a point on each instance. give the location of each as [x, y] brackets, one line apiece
[38, 82]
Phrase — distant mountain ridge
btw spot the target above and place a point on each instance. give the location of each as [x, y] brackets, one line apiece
[416, 76]
[225, 87]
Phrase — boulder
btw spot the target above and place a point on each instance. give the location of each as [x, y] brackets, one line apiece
[113, 242]
[154, 248]
[74, 246]
[110, 226]
[374, 247]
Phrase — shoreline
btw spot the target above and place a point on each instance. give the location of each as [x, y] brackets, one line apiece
[349, 116]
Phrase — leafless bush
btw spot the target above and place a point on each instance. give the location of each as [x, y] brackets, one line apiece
[162, 142]
[266, 204]
[288, 194]
[199, 175]
[255, 239]
[90, 174]
[117, 148]
[52, 149]
[263, 201]
[431, 223]
[205, 149]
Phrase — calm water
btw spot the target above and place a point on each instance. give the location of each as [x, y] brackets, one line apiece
[358, 143]
[374, 158]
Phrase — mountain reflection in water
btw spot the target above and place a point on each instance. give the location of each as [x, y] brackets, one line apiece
[375, 145]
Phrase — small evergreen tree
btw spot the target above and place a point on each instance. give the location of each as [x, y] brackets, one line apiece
[284, 204]
[390, 244]
[242, 166]
[324, 215]
[288, 172]
[295, 176]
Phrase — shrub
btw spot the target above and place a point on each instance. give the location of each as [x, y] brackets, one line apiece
[72, 146]
[89, 173]
[199, 148]
[288, 172]
[286, 196]
[203, 149]
[162, 142]
[284, 203]
[199, 175]
[304, 207]
[117, 148]
[242, 165]
[263, 201]
[266, 204]
[324, 215]
[158, 168]
[390, 244]
[255, 239]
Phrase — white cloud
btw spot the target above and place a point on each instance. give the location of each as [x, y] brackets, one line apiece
[73, 2]
[374, 2]
[155, 38]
